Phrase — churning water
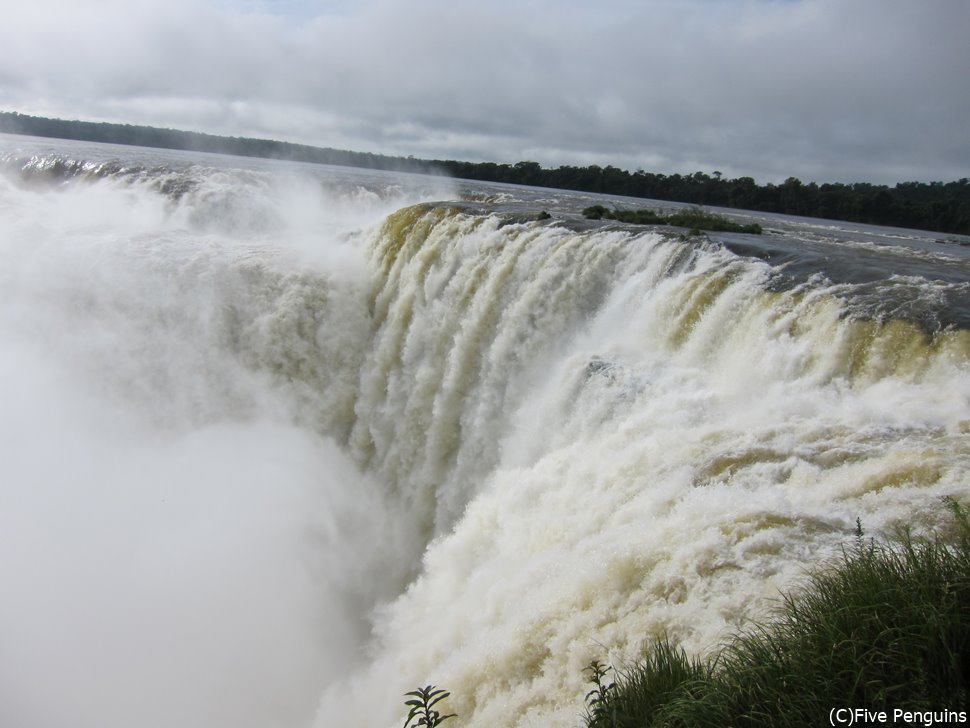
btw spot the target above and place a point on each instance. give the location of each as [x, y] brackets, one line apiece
[280, 442]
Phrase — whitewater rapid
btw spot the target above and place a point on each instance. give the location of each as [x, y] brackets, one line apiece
[282, 443]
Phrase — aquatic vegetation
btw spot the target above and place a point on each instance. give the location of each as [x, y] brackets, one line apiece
[693, 218]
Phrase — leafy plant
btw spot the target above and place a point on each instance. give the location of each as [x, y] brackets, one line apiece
[422, 704]
[598, 699]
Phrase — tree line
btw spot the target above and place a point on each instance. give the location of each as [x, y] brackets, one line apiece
[939, 206]
[149, 136]
[944, 207]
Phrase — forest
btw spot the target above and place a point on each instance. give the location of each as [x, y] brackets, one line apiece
[938, 206]
[148, 136]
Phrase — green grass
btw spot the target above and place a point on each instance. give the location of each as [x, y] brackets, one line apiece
[886, 627]
[693, 217]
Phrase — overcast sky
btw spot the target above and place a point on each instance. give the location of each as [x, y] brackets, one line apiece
[825, 90]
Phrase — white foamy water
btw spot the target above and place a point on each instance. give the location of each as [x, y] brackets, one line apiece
[274, 454]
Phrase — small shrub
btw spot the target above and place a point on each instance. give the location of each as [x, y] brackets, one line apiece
[698, 219]
[638, 217]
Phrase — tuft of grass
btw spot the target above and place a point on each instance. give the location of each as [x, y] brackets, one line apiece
[645, 689]
[886, 627]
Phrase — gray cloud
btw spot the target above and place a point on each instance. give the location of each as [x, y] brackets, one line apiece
[819, 89]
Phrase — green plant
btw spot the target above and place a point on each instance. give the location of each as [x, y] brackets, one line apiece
[696, 218]
[598, 699]
[664, 674]
[422, 704]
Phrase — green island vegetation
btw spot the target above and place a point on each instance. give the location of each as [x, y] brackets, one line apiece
[885, 629]
[694, 218]
[939, 206]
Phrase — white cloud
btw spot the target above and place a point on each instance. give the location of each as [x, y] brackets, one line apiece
[814, 88]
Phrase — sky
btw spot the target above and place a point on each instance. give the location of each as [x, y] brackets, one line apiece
[823, 90]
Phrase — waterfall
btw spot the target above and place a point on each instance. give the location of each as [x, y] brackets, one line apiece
[280, 445]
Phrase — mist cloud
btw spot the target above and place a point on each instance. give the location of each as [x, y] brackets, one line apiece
[174, 548]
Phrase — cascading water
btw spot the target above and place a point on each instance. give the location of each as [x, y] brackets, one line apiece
[269, 465]
[620, 436]
[184, 541]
